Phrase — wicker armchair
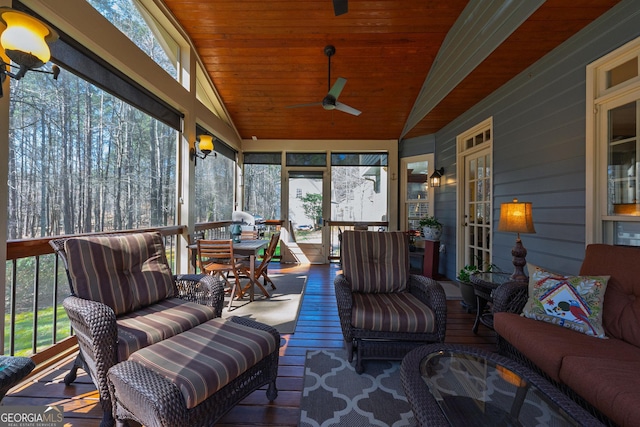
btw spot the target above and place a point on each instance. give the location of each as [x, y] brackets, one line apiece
[124, 297]
[384, 311]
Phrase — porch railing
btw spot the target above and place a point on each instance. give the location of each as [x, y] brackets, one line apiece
[36, 284]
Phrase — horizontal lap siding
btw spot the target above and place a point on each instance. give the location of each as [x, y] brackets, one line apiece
[538, 146]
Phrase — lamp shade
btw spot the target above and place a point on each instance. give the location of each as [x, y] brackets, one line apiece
[206, 144]
[516, 217]
[25, 40]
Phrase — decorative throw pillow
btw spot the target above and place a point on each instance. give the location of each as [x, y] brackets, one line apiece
[574, 302]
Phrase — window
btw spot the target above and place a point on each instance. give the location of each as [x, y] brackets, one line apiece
[135, 21]
[82, 160]
[358, 187]
[613, 145]
[263, 185]
[417, 194]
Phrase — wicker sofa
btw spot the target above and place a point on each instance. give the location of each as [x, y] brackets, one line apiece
[124, 298]
[603, 375]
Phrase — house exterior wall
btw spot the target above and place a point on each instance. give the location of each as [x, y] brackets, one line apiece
[538, 148]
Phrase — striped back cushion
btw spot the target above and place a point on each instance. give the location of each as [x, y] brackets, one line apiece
[125, 272]
[374, 261]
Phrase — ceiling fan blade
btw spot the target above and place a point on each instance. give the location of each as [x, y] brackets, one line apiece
[340, 7]
[337, 87]
[313, 104]
[346, 109]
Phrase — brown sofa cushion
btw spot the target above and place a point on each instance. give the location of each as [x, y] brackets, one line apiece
[611, 385]
[547, 345]
[125, 272]
[621, 307]
[396, 312]
[204, 359]
[376, 262]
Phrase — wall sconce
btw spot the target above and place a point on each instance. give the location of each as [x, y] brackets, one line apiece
[25, 41]
[205, 147]
[516, 217]
[436, 177]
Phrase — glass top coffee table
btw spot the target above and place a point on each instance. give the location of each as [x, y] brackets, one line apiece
[453, 385]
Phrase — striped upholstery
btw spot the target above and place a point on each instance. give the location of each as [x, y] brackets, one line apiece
[376, 262]
[157, 322]
[398, 312]
[204, 359]
[125, 272]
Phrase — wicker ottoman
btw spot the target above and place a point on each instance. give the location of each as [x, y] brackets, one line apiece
[194, 378]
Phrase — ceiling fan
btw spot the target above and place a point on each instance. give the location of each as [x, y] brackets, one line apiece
[340, 7]
[330, 101]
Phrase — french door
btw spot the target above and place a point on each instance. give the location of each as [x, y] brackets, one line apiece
[475, 196]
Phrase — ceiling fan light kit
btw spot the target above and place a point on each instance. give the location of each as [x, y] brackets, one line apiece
[330, 101]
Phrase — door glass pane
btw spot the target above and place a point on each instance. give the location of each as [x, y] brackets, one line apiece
[305, 206]
[622, 161]
[622, 73]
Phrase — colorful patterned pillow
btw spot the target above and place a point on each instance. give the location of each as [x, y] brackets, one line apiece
[574, 302]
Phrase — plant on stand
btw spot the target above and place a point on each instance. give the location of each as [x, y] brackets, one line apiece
[431, 227]
[469, 301]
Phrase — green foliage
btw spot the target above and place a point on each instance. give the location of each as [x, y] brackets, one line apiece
[430, 221]
[312, 205]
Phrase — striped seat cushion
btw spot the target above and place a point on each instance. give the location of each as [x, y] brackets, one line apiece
[204, 359]
[397, 312]
[125, 272]
[157, 322]
[376, 261]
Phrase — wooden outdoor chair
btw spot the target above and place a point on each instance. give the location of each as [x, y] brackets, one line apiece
[216, 257]
[261, 269]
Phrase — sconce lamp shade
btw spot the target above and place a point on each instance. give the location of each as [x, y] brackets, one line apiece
[206, 144]
[436, 177]
[26, 39]
[516, 217]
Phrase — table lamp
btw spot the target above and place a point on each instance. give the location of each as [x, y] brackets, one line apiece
[516, 217]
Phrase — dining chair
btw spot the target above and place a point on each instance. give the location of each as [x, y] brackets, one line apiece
[216, 257]
[261, 269]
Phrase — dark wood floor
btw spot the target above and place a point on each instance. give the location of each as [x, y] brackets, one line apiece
[317, 328]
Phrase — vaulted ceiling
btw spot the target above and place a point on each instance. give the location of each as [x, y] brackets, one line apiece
[264, 56]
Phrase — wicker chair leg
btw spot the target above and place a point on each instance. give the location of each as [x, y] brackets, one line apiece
[73, 373]
[349, 346]
[107, 419]
[359, 367]
[272, 391]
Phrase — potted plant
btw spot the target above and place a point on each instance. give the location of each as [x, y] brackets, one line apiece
[431, 227]
[469, 301]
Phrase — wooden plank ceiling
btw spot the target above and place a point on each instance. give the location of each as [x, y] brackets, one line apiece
[264, 56]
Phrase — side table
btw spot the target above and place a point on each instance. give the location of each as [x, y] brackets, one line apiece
[483, 286]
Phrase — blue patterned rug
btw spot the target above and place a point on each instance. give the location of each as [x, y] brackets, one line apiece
[335, 395]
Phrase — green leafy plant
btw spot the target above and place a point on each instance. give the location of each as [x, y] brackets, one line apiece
[430, 221]
[464, 275]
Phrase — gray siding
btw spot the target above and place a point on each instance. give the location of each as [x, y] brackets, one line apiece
[539, 147]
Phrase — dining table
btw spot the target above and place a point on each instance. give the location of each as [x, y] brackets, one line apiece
[248, 247]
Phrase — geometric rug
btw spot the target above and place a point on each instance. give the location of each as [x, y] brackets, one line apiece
[280, 310]
[335, 395]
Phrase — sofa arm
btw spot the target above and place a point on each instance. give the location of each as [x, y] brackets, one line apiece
[345, 305]
[510, 297]
[431, 293]
[94, 325]
[202, 289]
